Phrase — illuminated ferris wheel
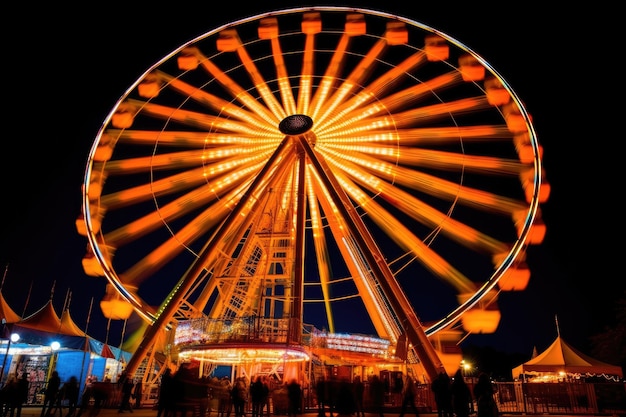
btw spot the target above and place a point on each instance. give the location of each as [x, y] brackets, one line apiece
[356, 170]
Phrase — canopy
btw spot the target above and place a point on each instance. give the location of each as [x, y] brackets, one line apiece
[6, 312]
[46, 319]
[561, 357]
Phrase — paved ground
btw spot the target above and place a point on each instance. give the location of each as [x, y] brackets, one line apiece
[150, 412]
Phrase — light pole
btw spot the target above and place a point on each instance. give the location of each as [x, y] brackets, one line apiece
[13, 338]
[55, 346]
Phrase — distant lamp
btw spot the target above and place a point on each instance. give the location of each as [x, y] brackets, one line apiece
[55, 345]
[12, 339]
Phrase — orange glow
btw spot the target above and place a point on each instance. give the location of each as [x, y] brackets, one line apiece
[91, 266]
[355, 24]
[188, 60]
[149, 87]
[396, 33]
[115, 308]
[451, 361]
[515, 278]
[497, 95]
[478, 320]
[104, 151]
[436, 48]
[471, 68]
[268, 28]
[311, 23]
[228, 41]
[244, 354]
[524, 147]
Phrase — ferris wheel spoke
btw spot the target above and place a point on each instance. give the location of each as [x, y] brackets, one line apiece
[215, 103]
[233, 88]
[422, 212]
[268, 29]
[229, 41]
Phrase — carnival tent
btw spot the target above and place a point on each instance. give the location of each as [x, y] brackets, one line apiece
[560, 357]
[44, 326]
[7, 315]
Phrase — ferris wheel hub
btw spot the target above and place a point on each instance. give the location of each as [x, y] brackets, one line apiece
[296, 124]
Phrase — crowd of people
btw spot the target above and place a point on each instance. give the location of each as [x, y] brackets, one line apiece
[183, 391]
[453, 397]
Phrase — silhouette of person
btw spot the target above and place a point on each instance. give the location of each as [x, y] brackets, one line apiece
[256, 395]
[239, 396]
[101, 394]
[137, 393]
[377, 395]
[359, 391]
[345, 403]
[294, 396]
[322, 397]
[165, 400]
[21, 394]
[70, 392]
[409, 393]
[50, 394]
[10, 391]
[461, 395]
[443, 400]
[265, 399]
[127, 392]
[483, 392]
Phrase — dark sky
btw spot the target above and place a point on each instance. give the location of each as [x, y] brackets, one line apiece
[65, 68]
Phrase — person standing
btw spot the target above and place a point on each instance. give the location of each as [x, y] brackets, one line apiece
[483, 392]
[265, 399]
[22, 394]
[461, 395]
[359, 391]
[50, 394]
[409, 394]
[239, 397]
[377, 395]
[165, 402]
[345, 404]
[256, 396]
[10, 392]
[127, 392]
[443, 400]
[101, 394]
[322, 396]
[137, 393]
[294, 398]
[70, 394]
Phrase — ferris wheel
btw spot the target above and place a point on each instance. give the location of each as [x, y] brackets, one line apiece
[360, 170]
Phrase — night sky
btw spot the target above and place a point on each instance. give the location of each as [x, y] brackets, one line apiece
[65, 68]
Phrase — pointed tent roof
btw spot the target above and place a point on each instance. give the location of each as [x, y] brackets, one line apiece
[106, 352]
[561, 357]
[68, 326]
[46, 320]
[6, 312]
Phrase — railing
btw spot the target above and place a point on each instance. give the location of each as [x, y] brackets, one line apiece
[584, 398]
[246, 329]
[562, 397]
[590, 398]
